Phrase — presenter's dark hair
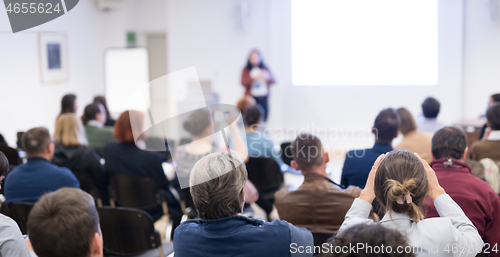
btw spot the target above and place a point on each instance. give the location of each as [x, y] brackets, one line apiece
[68, 104]
[261, 64]
[431, 107]
[449, 142]
[386, 125]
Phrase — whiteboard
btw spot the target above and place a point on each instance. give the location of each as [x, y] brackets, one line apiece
[125, 70]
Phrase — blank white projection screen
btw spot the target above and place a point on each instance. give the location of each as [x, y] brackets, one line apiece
[364, 42]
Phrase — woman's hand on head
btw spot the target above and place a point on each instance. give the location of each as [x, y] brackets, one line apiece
[435, 189]
[368, 193]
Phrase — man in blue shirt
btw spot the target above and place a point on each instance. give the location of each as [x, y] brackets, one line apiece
[358, 163]
[28, 182]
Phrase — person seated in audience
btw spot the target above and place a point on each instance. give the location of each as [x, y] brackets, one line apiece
[199, 126]
[11, 240]
[125, 157]
[27, 182]
[430, 110]
[494, 99]
[245, 102]
[259, 144]
[319, 204]
[389, 242]
[476, 198]
[358, 163]
[490, 146]
[94, 118]
[82, 160]
[400, 181]
[101, 100]
[217, 186]
[65, 223]
[69, 104]
[413, 140]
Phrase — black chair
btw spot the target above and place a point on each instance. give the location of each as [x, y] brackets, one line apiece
[19, 213]
[11, 154]
[128, 231]
[286, 153]
[321, 238]
[265, 174]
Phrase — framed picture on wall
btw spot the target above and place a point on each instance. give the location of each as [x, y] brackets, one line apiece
[53, 58]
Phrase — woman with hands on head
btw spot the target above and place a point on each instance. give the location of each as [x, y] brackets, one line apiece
[400, 181]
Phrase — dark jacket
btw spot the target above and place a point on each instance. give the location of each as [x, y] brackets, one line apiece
[318, 204]
[84, 162]
[240, 236]
[127, 158]
[358, 164]
[476, 198]
[28, 182]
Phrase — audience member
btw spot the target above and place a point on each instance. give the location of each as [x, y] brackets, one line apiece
[65, 223]
[476, 198]
[27, 182]
[430, 110]
[358, 163]
[319, 204]
[490, 146]
[413, 141]
[3, 142]
[125, 157]
[69, 104]
[400, 183]
[217, 186]
[82, 160]
[101, 100]
[376, 240]
[259, 144]
[245, 102]
[199, 126]
[11, 240]
[494, 99]
[94, 118]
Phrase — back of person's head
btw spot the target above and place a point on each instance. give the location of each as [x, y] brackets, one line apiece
[245, 102]
[407, 124]
[386, 125]
[123, 125]
[217, 181]
[68, 104]
[36, 140]
[401, 184]
[493, 116]
[4, 164]
[376, 239]
[307, 152]
[449, 142]
[197, 122]
[90, 112]
[67, 131]
[495, 98]
[252, 116]
[102, 100]
[431, 107]
[65, 223]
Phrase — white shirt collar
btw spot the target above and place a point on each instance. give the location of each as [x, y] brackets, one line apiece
[494, 135]
[95, 123]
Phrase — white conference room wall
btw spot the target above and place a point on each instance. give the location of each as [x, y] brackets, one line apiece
[203, 34]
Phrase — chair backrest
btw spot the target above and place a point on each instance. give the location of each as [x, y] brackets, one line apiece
[127, 231]
[286, 153]
[320, 238]
[19, 213]
[265, 174]
[135, 191]
[11, 154]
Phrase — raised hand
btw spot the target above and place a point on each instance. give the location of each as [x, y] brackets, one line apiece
[435, 189]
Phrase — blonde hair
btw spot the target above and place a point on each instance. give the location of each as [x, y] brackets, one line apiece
[68, 131]
[401, 174]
